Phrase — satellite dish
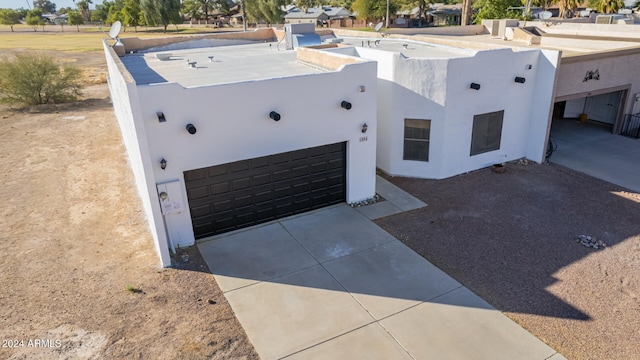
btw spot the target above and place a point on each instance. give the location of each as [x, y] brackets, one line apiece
[545, 15]
[115, 30]
[378, 26]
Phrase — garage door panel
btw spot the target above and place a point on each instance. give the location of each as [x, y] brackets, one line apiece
[241, 184]
[243, 201]
[279, 158]
[263, 196]
[221, 188]
[248, 192]
[199, 192]
[263, 179]
[239, 166]
[260, 162]
[215, 171]
[299, 171]
[222, 206]
[199, 211]
[281, 175]
[196, 175]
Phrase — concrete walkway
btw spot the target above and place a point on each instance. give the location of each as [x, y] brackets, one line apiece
[592, 149]
[331, 284]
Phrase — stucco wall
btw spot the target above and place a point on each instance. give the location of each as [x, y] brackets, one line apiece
[137, 44]
[618, 70]
[233, 124]
[438, 90]
[126, 107]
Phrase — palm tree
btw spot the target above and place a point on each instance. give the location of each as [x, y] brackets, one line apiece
[568, 7]
[610, 6]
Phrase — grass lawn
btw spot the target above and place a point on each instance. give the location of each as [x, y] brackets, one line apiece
[88, 39]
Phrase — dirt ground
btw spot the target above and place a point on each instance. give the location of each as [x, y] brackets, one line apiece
[74, 237]
[510, 238]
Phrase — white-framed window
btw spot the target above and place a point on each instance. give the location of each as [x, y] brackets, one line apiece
[416, 139]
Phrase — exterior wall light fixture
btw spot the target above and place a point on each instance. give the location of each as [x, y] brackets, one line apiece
[475, 86]
[274, 116]
[345, 105]
[163, 164]
[362, 88]
[191, 129]
[520, 80]
[364, 128]
[161, 117]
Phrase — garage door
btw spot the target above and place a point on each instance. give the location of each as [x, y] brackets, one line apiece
[249, 192]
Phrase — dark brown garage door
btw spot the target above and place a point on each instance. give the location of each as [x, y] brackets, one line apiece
[244, 193]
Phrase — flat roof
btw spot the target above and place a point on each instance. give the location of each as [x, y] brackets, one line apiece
[231, 62]
[408, 47]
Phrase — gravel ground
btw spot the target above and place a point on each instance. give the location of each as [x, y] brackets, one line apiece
[74, 238]
[511, 238]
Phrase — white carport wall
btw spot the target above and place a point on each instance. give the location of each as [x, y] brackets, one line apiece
[439, 90]
[232, 122]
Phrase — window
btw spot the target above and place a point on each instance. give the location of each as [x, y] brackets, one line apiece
[416, 139]
[487, 132]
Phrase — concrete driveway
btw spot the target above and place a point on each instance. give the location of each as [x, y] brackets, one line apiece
[331, 284]
[592, 149]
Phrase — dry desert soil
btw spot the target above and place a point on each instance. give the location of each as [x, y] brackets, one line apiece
[73, 238]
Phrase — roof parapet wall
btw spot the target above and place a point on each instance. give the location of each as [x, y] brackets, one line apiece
[137, 44]
[325, 60]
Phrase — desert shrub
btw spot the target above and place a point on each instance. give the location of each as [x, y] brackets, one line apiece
[37, 79]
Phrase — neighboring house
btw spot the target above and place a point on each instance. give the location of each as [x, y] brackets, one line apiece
[445, 14]
[316, 15]
[406, 18]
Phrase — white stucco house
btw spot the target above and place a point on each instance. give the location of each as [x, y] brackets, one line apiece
[231, 130]
[224, 134]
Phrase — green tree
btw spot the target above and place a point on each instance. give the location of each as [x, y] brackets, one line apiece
[9, 17]
[342, 3]
[307, 3]
[83, 7]
[37, 79]
[64, 10]
[607, 6]
[191, 9]
[268, 11]
[101, 12]
[22, 12]
[34, 19]
[131, 13]
[568, 7]
[373, 9]
[75, 18]
[495, 9]
[161, 12]
[115, 12]
[46, 6]
[60, 21]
